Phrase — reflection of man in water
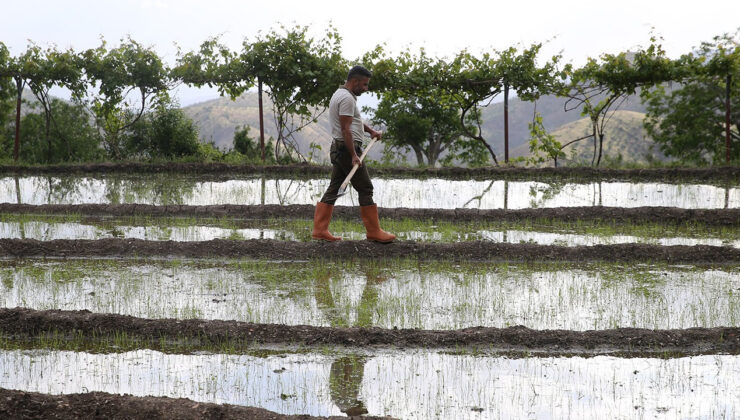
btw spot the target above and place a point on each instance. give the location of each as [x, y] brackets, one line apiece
[345, 378]
[346, 373]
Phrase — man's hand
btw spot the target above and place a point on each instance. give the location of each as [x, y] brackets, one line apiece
[376, 134]
[356, 160]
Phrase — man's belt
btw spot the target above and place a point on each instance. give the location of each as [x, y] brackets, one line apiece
[341, 141]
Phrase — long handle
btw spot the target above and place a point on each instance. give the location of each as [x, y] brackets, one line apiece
[355, 166]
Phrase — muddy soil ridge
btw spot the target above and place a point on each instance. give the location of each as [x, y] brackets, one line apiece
[616, 215]
[101, 405]
[727, 173]
[277, 250]
[24, 323]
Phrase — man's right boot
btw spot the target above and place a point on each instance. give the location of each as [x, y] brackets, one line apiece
[321, 218]
[372, 225]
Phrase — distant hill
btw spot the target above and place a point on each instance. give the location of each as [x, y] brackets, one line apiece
[624, 135]
[520, 115]
[218, 118]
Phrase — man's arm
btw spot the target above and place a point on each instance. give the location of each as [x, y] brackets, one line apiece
[346, 122]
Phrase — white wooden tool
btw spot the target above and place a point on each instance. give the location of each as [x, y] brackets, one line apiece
[343, 188]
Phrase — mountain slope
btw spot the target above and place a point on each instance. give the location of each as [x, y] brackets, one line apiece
[553, 114]
[217, 120]
[624, 135]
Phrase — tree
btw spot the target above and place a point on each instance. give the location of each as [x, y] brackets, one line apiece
[422, 125]
[72, 122]
[41, 70]
[6, 98]
[300, 74]
[213, 65]
[416, 112]
[543, 142]
[166, 132]
[425, 124]
[244, 144]
[519, 73]
[44, 69]
[613, 78]
[470, 82]
[428, 125]
[688, 121]
[130, 80]
[10, 73]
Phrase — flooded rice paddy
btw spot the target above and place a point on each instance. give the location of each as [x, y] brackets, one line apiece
[409, 385]
[389, 193]
[42, 229]
[390, 293]
[400, 294]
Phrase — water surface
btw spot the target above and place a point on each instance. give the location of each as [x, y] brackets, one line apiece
[408, 385]
[390, 193]
[404, 296]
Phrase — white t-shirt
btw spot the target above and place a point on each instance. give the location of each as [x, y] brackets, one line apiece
[343, 102]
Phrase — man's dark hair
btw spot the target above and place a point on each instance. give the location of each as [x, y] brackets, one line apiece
[358, 71]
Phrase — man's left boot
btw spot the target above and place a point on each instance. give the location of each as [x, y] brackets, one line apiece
[372, 225]
[321, 218]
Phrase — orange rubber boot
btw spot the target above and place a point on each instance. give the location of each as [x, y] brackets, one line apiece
[321, 219]
[372, 225]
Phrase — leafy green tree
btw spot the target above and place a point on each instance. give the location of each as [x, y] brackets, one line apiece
[41, 70]
[520, 73]
[416, 112]
[213, 65]
[45, 69]
[475, 81]
[542, 144]
[11, 74]
[688, 121]
[128, 81]
[427, 125]
[6, 101]
[245, 144]
[72, 122]
[166, 132]
[470, 82]
[299, 73]
[601, 86]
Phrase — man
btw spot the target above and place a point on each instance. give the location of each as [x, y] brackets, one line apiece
[348, 131]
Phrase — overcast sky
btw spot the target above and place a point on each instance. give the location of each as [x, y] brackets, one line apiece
[578, 28]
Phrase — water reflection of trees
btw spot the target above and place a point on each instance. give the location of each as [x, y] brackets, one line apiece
[288, 189]
[346, 373]
[18, 201]
[65, 189]
[479, 197]
[546, 192]
[284, 192]
[160, 189]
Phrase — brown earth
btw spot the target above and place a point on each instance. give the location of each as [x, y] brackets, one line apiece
[300, 251]
[100, 405]
[24, 324]
[729, 173]
[615, 215]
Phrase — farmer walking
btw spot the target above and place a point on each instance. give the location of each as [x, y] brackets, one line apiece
[347, 130]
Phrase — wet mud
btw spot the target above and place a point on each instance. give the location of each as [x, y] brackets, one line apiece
[100, 405]
[730, 173]
[615, 215]
[24, 324]
[317, 250]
